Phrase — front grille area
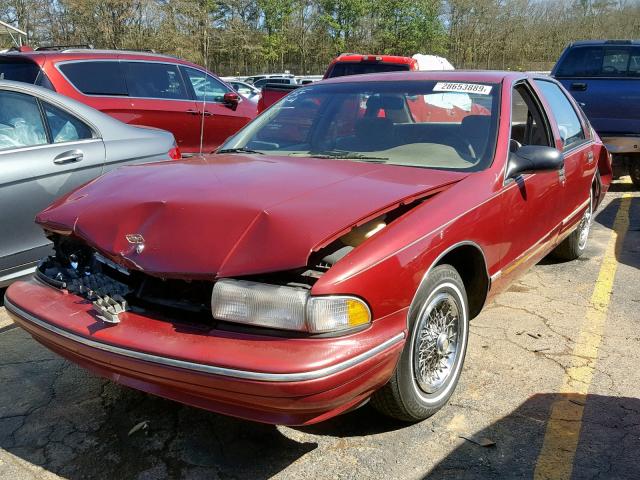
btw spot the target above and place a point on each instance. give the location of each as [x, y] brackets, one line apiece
[83, 271]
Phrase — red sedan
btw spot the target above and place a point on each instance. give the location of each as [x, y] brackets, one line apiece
[322, 257]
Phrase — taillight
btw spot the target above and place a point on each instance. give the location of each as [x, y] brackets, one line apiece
[174, 153]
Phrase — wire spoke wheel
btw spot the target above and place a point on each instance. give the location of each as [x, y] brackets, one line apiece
[585, 226]
[432, 358]
[436, 345]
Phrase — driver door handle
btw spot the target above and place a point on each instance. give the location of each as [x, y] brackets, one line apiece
[71, 156]
[589, 157]
[581, 86]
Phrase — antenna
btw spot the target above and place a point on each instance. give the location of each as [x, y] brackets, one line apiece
[206, 79]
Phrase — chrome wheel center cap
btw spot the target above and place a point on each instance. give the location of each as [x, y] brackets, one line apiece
[442, 344]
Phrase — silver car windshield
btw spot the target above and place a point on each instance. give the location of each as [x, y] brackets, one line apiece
[430, 124]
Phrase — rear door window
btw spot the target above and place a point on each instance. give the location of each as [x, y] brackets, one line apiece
[205, 87]
[64, 127]
[571, 131]
[19, 70]
[96, 77]
[155, 80]
[601, 61]
[21, 122]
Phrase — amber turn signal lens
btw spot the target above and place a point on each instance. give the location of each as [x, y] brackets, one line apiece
[357, 312]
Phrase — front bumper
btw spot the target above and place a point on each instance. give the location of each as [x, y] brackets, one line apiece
[262, 378]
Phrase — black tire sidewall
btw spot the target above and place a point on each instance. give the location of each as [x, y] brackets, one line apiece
[634, 171]
[443, 278]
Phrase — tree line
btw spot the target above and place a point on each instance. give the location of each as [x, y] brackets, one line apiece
[242, 37]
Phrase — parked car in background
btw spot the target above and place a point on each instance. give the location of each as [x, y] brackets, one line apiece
[254, 78]
[307, 79]
[275, 80]
[358, 64]
[272, 92]
[334, 250]
[139, 88]
[49, 145]
[604, 77]
[245, 89]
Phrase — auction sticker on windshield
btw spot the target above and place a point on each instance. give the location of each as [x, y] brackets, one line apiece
[462, 87]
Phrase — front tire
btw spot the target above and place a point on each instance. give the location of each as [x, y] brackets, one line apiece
[575, 244]
[430, 364]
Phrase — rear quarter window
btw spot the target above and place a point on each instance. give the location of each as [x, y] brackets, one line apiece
[96, 77]
[19, 70]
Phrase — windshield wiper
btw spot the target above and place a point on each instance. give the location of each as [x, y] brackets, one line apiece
[340, 155]
[239, 150]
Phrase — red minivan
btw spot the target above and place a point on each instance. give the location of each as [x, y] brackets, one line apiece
[139, 88]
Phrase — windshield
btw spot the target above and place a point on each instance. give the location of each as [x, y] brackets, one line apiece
[448, 125]
[18, 70]
[342, 69]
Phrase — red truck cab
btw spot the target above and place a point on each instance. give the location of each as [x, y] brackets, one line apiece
[341, 66]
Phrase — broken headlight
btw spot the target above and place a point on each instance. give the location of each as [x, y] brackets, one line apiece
[286, 308]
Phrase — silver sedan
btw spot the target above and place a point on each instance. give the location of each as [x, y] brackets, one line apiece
[49, 145]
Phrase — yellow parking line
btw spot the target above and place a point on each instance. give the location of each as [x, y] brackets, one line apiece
[555, 460]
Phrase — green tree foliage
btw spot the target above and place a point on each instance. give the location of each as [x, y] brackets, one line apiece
[237, 37]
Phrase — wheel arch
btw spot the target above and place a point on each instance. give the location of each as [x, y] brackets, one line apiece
[468, 258]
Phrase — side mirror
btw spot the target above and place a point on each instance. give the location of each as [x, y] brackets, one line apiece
[533, 158]
[231, 100]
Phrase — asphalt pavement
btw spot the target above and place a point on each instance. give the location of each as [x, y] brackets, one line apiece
[550, 389]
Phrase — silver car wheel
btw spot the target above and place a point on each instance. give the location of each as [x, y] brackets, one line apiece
[436, 344]
[585, 226]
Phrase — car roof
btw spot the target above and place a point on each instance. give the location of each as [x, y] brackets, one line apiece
[580, 43]
[485, 76]
[357, 57]
[94, 54]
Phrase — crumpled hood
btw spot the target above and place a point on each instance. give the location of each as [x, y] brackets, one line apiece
[225, 215]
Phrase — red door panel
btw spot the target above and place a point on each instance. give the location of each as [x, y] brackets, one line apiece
[177, 116]
[220, 122]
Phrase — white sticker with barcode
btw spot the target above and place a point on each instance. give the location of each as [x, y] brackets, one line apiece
[462, 87]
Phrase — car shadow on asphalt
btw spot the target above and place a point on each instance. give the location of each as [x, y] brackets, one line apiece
[622, 186]
[627, 249]
[58, 416]
[607, 445]
[360, 422]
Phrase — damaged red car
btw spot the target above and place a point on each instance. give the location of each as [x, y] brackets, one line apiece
[331, 252]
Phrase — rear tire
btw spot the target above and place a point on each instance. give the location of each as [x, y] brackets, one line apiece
[431, 362]
[575, 244]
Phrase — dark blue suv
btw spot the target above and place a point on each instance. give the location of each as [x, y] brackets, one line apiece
[604, 77]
